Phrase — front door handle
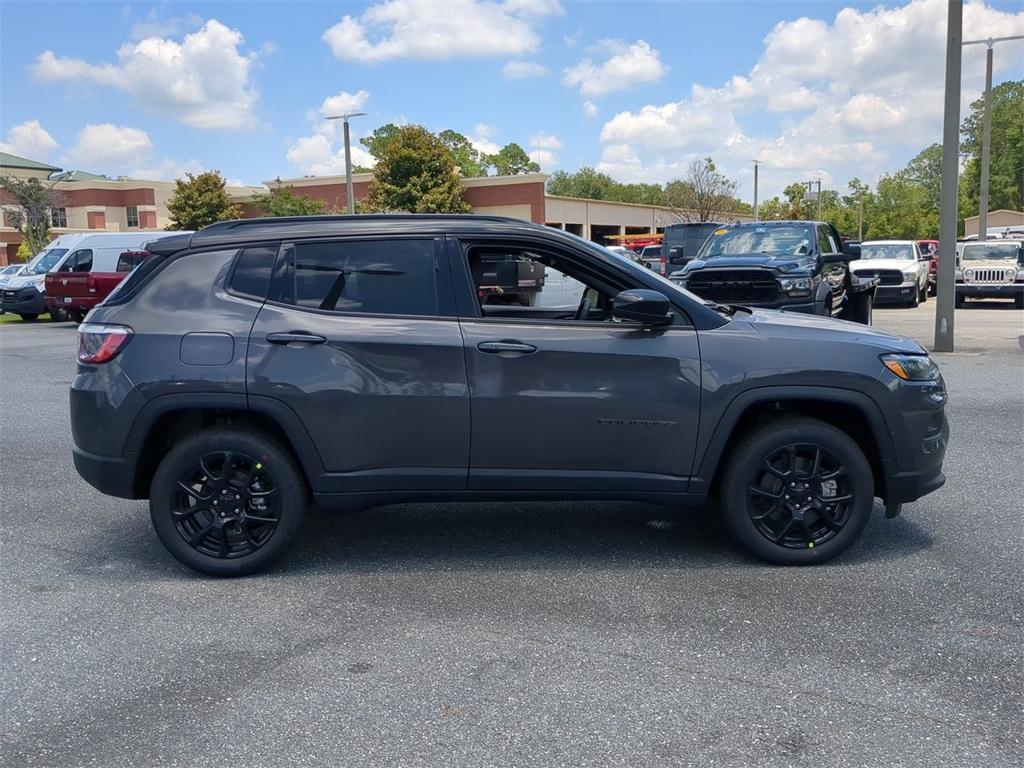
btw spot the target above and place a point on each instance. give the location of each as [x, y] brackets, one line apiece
[506, 346]
[295, 338]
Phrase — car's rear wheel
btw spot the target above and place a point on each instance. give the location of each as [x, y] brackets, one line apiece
[797, 491]
[28, 317]
[57, 315]
[227, 502]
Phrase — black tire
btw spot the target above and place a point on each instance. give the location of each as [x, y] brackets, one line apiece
[830, 528]
[863, 307]
[254, 474]
[923, 294]
[77, 316]
[959, 301]
[915, 298]
[1018, 301]
[28, 317]
[57, 315]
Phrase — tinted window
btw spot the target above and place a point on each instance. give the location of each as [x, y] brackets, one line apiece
[394, 277]
[252, 271]
[79, 261]
[824, 246]
[129, 260]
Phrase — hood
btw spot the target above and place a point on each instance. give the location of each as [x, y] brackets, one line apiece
[794, 325]
[21, 281]
[783, 262]
[862, 265]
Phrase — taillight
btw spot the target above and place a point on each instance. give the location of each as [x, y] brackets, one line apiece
[664, 265]
[100, 343]
[91, 283]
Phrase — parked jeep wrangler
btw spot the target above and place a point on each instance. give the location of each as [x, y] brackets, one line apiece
[796, 266]
[254, 366]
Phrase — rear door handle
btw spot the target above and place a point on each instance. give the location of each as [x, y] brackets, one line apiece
[295, 338]
[506, 345]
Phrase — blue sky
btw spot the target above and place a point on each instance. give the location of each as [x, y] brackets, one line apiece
[636, 89]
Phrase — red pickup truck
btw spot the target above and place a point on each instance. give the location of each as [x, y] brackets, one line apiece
[74, 293]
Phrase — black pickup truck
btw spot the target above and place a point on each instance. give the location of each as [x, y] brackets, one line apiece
[796, 266]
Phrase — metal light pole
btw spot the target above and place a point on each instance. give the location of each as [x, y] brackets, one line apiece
[986, 131]
[944, 283]
[349, 194]
[756, 217]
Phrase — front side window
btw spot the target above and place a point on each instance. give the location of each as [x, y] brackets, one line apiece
[58, 217]
[133, 216]
[390, 277]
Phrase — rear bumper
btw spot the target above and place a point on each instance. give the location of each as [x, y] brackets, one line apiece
[83, 303]
[111, 475]
[981, 291]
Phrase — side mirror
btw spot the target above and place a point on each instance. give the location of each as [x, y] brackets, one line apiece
[641, 305]
[675, 255]
[837, 258]
[852, 250]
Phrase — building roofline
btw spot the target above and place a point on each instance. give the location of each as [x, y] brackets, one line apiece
[357, 178]
[7, 160]
[666, 208]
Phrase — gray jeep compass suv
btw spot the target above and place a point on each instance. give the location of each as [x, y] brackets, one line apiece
[255, 366]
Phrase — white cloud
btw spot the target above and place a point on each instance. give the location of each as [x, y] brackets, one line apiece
[205, 81]
[856, 97]
[542, 140]
[482, 139]
[344, 102]
[29, 140]
[590, 109]
[420, 29]
[109, 148]
[519, 70]
[317, 155]
[169, 170]
[627, 65]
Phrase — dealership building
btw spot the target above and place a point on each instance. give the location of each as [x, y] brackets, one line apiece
[98, 203]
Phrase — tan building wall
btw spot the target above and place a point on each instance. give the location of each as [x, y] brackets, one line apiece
[1000, 218]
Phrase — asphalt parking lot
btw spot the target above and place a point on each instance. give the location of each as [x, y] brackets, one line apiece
[518, 634]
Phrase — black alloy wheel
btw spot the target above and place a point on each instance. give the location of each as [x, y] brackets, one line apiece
[226, 505]
[797, 491]
[801, 497]
[228, 500]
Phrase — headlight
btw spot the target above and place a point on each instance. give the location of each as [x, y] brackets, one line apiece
[912, 367]
[909, 274]
[797, 286]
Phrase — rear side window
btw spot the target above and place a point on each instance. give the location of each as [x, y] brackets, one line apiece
[252, 271]
[129, 260]
[390, 277]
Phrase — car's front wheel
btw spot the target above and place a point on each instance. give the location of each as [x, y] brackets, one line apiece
[797, 491]
[915, 297]
[227, 502]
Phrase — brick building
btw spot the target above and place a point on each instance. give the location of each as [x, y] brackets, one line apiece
[94, 202]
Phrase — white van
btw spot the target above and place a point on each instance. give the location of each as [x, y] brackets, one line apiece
[77, 252]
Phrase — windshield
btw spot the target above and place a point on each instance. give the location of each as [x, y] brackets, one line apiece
[899, 251]
[990, 250]
[44, 261]
[795, 240]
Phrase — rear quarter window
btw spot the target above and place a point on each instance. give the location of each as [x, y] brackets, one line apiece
[251, 275]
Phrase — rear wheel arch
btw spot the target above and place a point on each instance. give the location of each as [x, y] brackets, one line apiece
[167, 421]
[849, 411]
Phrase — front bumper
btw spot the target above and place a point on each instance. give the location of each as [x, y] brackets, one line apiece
[22, 301]
[990, 290]
[895, 293]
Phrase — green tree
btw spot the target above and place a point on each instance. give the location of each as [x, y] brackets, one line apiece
[283, 201]
[925, 168]
[467, 158]
[31, 216]
[415, 173]
[899, 209]
[24, 252]
[512, 160]
[198, 201]
[378, 141]
[586, 183]
[1006, 157]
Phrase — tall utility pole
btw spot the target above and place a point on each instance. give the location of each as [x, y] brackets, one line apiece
[944, 287]
[349, 193]
[810, 186]
[756, 217]
[986, 131]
